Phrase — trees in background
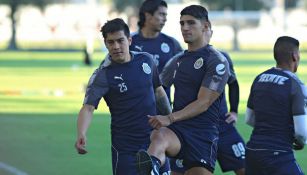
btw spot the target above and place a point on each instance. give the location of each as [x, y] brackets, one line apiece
[14, 6]
[130, 7]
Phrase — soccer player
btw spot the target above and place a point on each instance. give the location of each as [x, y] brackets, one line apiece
[231, 146]
[130, 98]
[199, 76]
[276, 110]
[149, 38]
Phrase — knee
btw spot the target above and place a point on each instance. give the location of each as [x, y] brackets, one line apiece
[157, 136]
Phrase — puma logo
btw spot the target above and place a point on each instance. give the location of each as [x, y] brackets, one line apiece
[140, 48]
[119, 77]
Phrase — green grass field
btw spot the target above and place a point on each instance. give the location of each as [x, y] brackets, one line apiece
[41, 94]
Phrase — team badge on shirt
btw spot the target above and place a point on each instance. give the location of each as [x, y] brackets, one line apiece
[146, 68]
[179, 163]
[220, 69]
[165, 47]
[199, 63]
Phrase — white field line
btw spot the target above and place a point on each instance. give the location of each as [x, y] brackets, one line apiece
[11, 169]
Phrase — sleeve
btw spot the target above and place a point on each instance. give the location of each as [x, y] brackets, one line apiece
[299, 98]
[169, 70]
[97, 87]
[217, 73]
[234, 96]
[233, 93]
[232, 74]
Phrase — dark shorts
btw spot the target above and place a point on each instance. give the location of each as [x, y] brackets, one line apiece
[197, 148]
[264, 162]
[124, 163]
[230, 153]
[231, 150]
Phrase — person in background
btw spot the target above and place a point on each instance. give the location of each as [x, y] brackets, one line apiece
[150, 39]
[276, 109]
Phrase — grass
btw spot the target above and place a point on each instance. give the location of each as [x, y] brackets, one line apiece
[41, 94]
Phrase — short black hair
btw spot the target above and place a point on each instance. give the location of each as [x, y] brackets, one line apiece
[284, 48]
[115, 25]
[149, 6]
[197, 11]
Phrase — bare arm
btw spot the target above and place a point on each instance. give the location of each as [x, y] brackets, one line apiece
[204, 100]
[250, 117]
[84, 119]
[162, 101]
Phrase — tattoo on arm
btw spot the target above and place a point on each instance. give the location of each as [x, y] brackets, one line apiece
[163, 103]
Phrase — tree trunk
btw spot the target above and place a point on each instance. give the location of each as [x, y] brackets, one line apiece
[12, 44]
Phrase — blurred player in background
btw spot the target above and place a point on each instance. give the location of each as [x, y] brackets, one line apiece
[149, 38]
[276, 110]
[130, 85]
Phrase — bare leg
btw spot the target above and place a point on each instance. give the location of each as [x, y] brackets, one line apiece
[164, 141]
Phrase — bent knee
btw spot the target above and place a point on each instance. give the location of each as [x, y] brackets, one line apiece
[157, 135]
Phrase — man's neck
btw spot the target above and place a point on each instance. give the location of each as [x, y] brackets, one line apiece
[196, 45]
[147, 33]
[285, 67]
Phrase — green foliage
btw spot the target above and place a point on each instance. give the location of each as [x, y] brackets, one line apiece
[121, 5]
[17, 3]
[245, 5]
[234, 4]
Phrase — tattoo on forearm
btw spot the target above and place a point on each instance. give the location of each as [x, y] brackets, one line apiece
[163, 105]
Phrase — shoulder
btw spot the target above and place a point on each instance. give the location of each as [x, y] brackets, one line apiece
[135, 34]
[216, 55]
[226, 55]
[294, 77]
[143, 56]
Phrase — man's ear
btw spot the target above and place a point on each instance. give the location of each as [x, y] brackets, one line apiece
[129, 40]
[294, 56]
[147, 15]
[207, 26]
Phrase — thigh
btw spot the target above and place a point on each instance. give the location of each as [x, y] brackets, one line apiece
[285, 164]
[271, 162]
[197, 150]
[231, 151]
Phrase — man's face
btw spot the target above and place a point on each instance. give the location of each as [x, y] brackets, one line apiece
[118, 44]
[157, 20]
[192, 29]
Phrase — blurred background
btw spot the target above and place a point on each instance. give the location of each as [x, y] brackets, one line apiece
[71, 24]
[49, 49]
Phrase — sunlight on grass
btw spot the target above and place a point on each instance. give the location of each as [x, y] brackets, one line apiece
[41, 94]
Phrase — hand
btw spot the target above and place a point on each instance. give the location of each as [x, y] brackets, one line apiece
[232, 117]
[80, 145]
[299, 143]
[159, 121]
